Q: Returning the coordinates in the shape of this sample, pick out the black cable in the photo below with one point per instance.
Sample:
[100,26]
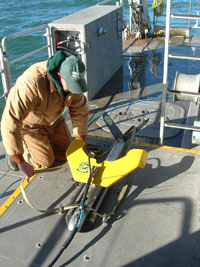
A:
[78,221]
[91,172]
[64,246]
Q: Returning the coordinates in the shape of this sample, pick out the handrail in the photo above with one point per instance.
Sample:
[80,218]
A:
[181,56]
[5,64]
[4,73]
[28,54]
[1,66]
[183,16]
[19,34]
[107,1]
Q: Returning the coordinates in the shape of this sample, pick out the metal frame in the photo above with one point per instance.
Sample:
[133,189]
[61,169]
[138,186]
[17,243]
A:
[165,71]
[4,55]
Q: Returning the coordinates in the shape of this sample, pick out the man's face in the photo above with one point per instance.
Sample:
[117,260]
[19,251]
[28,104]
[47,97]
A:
[63,83]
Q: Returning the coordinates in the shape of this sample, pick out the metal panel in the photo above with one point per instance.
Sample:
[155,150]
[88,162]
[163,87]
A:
[98,39]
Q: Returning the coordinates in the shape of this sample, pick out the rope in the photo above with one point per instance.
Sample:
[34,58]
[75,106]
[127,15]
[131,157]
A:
[55,210]
[106,217]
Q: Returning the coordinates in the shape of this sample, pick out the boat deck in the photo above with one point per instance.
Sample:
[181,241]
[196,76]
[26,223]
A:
[157,222]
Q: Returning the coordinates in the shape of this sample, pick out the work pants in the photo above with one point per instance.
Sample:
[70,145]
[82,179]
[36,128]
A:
[45,144]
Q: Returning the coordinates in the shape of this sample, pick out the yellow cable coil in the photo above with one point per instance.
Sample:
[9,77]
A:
[155,8]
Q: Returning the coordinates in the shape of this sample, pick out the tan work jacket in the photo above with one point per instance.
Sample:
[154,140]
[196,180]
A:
[34,101]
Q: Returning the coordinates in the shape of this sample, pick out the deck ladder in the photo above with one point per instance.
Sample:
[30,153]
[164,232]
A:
[167,55]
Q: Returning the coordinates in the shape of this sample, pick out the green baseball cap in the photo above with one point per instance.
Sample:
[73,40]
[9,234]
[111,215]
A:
[72,70]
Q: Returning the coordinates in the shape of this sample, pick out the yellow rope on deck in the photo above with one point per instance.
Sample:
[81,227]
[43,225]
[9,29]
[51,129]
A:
[23,185]
[55,210]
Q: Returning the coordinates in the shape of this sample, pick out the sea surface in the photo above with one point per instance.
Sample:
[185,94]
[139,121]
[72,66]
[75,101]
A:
[20,15]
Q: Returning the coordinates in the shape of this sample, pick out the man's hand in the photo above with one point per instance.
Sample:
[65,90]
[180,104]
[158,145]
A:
[80,137]
[27,169]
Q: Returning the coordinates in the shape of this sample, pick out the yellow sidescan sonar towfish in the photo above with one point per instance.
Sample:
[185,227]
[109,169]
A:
[109,172]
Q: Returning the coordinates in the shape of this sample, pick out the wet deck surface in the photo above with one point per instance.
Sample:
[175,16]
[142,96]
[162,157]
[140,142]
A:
[156,224]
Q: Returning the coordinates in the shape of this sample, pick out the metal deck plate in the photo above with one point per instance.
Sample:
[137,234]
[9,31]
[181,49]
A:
[156,224]
[132,114]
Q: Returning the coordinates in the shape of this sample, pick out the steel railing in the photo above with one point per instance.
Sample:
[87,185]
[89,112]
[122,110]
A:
[4,55]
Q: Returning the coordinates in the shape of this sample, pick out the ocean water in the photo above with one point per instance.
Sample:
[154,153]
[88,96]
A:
[20,15]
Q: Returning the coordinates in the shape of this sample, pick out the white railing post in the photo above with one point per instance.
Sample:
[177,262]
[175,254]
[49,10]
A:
[165,70]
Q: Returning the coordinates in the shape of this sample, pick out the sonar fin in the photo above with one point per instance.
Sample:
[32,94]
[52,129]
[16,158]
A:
[109,172]
[116,132]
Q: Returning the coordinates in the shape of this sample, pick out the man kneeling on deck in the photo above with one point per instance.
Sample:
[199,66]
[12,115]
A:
[33,130]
